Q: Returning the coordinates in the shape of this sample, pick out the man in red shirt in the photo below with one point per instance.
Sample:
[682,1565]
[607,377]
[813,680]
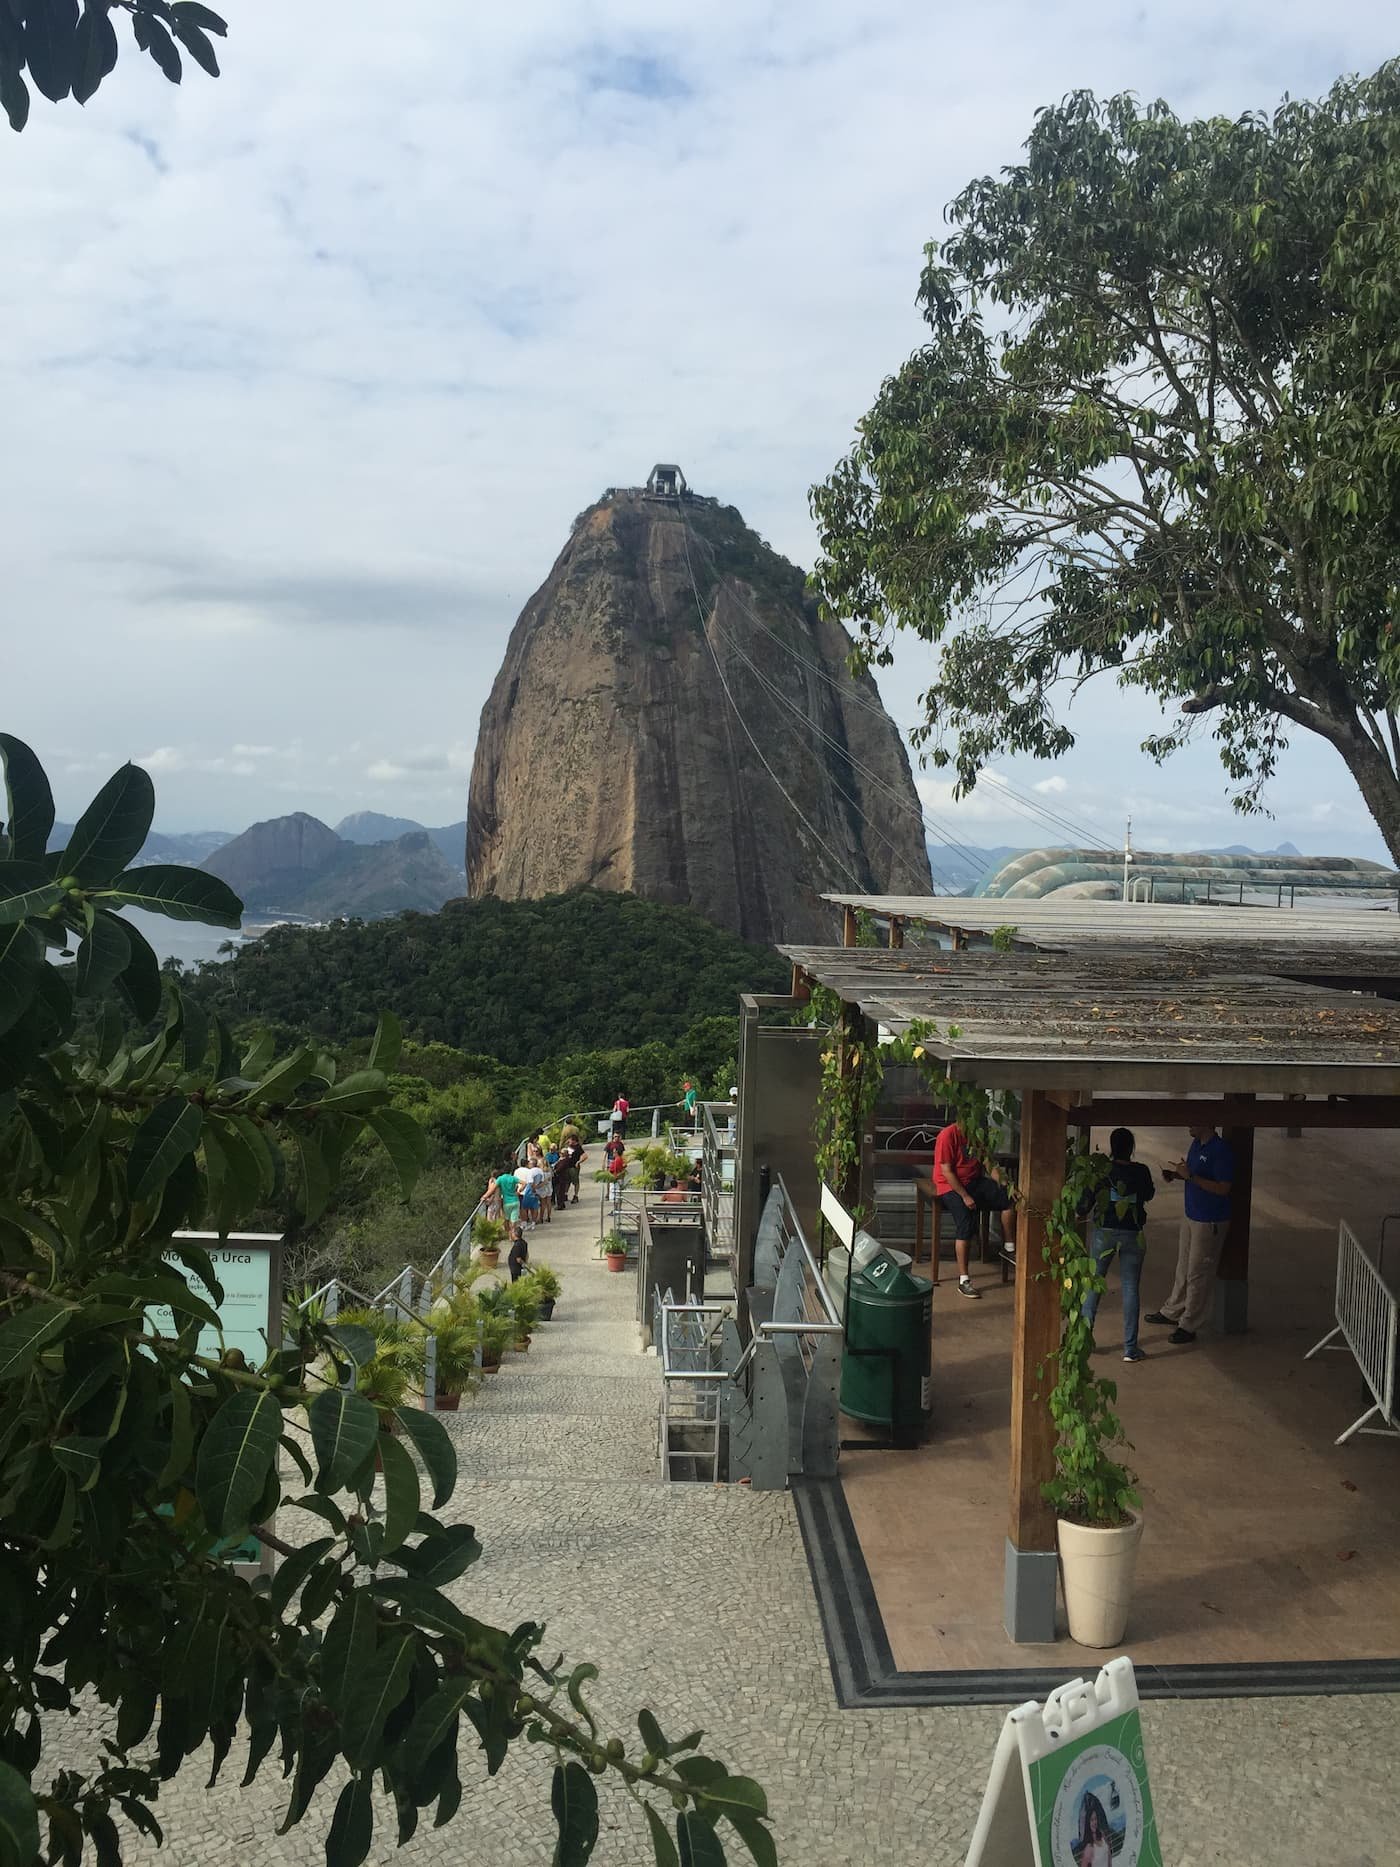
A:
[964,1188]
[619,1115]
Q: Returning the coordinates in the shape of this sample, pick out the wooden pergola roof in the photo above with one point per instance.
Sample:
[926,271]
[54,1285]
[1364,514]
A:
[1075,923]
[1166,1021]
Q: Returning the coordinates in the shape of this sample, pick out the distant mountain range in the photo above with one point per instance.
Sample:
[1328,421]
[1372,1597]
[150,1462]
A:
[369,826]
[299,866]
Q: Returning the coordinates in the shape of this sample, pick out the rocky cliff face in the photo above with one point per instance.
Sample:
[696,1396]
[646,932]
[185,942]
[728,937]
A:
[673,719]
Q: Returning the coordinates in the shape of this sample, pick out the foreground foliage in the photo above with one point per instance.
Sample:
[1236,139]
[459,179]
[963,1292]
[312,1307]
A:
[64,53]
[135,1450]
[1154,431]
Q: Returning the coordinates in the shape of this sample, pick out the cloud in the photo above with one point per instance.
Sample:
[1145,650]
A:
[1052,787]
[461,279]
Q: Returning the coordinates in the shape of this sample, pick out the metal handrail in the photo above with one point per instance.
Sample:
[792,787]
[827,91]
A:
[767,1329]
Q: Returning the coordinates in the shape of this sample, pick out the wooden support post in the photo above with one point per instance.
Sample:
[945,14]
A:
[850,931]
[896,933]
[1232,1277]
[1293,1134]
[1030,1542]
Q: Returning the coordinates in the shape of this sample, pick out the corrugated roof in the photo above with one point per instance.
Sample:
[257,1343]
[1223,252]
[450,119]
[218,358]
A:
[1127,1020]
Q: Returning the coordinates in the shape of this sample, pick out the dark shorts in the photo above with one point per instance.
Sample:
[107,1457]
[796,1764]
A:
[989,1195]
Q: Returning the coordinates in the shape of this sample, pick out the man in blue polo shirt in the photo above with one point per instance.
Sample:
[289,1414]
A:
[1208,1172]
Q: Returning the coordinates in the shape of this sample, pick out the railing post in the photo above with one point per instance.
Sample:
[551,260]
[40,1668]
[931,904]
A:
[656,1121]
[430,1374]
[332,1301]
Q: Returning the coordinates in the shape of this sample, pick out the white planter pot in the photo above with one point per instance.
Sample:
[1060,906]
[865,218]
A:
[1096,1570]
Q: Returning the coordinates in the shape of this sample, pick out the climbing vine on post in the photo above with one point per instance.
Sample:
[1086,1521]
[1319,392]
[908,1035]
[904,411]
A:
[852,1068]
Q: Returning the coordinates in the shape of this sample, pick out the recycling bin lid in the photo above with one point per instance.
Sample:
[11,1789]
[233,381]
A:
[884,1275]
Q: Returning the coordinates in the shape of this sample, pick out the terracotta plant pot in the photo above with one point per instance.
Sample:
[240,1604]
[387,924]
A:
[522,1343]
[448,1403]
[546,1309]
[489,1256]
[488,1365]
[1096,1571]
[617,1260]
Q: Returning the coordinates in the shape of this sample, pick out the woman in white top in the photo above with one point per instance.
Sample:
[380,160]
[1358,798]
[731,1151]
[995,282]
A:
[1095,1848]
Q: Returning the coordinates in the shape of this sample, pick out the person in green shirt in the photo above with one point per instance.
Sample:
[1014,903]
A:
[689,1101]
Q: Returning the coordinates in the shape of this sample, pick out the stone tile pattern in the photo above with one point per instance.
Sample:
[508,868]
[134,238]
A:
[696,1601]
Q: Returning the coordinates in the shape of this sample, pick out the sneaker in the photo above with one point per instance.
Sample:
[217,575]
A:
[1182,1335]
[1009,1253]
[966,1288]
[1133,1354]
[1159,1321]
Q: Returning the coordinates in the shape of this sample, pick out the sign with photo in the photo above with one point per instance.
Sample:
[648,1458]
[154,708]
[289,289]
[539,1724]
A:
[1069,1784]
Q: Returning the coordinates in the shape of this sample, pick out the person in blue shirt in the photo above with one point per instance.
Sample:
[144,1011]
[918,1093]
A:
[1208,1172]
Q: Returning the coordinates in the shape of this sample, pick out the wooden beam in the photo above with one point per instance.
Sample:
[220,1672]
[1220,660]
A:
[896,931]
[1036,1340]
[1233,1271]
[1241,1111]
[801,992]
[849,928]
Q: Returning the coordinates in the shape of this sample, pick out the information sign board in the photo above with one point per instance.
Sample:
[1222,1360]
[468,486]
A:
[249,1267]
[1068,1785]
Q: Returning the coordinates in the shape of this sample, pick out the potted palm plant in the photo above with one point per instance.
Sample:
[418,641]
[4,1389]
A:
[546,1281]
[486,1236]
[1097,1505]
[455,1343]
[524,1299]
[613,1246]
[489,1308]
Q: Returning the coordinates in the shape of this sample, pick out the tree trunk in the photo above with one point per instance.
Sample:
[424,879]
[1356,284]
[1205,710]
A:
[1377,783]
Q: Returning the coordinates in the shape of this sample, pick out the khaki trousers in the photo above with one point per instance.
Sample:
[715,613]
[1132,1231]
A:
[1197,1254]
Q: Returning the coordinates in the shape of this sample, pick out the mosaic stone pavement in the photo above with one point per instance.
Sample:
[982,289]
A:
[696,1602]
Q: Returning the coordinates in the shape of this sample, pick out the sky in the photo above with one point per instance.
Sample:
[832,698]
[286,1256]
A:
[309,368]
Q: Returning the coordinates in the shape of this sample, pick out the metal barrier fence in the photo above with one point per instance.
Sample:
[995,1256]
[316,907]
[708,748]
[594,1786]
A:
[1368,1320]
[717,1123]
[693,1382]
[788,1376]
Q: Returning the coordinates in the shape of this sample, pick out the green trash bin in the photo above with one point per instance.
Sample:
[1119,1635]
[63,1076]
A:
[886,1365]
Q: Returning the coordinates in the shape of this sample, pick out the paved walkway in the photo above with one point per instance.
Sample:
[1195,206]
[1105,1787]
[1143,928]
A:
[696,1601]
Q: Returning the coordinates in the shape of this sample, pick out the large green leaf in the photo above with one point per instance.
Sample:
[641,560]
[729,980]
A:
[140,983]
[352,1825]
[201,16]
[388,1041]
[662,1846]
[433,1722]
[95,52]
[164,1288]
[400,1492]
[374,1693]
[50,45]
[699,1844]
[426,1606]
[80,1454]
[24,1335]
[574,1801]
[170,1132]
[293,1570]
[26,889]
[235,1456]
[362,1089]
[315,1177]
[404,1141]
[283,1079]
[433,1444]
[755,1837]
[28,800]
[179,893]
[112,829]
[14,95]
[19,1820]
[344,1429]
[104,953]
[348,1649]
[440,1558]
[725,1794]
[21,954]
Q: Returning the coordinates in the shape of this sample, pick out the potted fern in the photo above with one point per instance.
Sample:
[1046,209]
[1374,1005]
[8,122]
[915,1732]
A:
[524,1299]
[613,1246]
[486,1236]
[1096,1502]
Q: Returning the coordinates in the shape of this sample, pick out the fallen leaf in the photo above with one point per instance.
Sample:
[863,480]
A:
[1347,1485]
[1345,1555]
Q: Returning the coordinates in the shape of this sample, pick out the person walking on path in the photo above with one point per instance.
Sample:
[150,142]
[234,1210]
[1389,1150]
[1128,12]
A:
[508,1186]
[1118,1213]
[964,1189]
[689,1102]
[492,1202]
[1208,1172]
[619,1114]
[571,1157]
[519,1260]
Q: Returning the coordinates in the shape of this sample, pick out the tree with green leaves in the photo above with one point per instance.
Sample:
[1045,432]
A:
[131,1457]
[67,52]
[1154,432]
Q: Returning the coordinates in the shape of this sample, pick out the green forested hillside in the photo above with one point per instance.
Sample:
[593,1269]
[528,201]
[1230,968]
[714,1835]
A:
[517,980]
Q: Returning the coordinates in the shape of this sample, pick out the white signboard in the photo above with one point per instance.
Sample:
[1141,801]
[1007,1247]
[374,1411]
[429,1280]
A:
[1068,1786]
[247,1265]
